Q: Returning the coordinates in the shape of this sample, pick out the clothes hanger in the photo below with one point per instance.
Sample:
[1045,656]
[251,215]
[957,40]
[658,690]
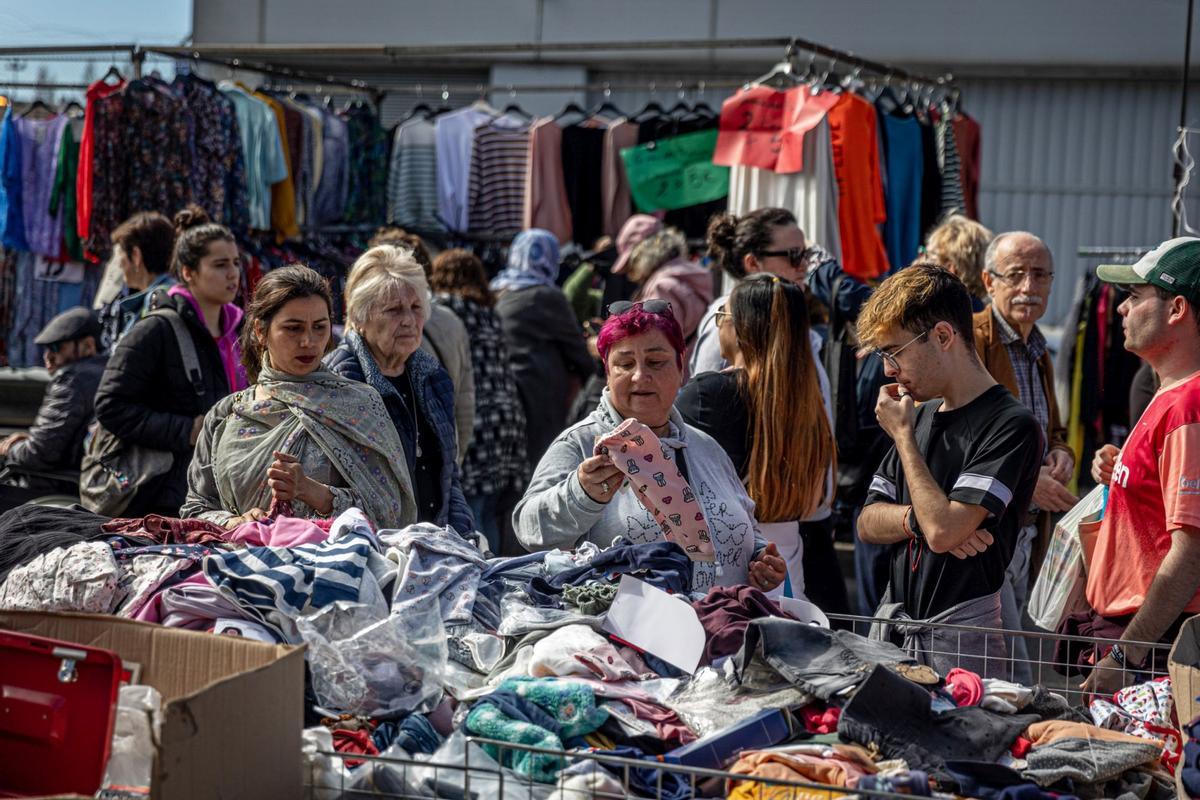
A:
[73,106]
[571,108]
[38,105]
[514,108]
[819,85]
[113,72]
[606,106]
[783,72]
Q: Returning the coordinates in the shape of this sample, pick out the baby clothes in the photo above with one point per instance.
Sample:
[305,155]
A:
[662,489]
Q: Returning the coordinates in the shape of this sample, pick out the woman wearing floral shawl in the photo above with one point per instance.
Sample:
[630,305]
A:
[300,441]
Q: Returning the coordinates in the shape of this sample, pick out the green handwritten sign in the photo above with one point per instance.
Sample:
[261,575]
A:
[676,172]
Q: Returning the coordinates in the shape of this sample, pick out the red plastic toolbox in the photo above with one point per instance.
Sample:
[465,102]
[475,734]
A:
[58,702]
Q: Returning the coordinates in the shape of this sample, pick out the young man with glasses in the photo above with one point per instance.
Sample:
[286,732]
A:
[1018,275]
[954,490]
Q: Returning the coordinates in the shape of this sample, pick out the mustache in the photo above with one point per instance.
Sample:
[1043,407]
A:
[1029,299]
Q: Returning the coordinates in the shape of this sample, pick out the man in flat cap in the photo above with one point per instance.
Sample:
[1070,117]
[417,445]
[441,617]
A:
[55,442]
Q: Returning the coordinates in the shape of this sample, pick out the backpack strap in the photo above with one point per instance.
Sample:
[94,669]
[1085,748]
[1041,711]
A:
[187,348]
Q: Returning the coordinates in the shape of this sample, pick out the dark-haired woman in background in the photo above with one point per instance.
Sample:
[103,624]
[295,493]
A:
[770,412]
[766,240]
[495,464]
[146,396]
[301,441]
[143,246]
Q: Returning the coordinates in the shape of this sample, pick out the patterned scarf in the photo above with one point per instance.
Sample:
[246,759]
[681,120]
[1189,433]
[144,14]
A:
[346,420]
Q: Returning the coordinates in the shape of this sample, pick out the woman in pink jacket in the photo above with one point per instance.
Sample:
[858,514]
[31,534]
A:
[659,263]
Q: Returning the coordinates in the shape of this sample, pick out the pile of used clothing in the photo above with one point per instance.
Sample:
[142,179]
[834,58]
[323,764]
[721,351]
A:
[419,647]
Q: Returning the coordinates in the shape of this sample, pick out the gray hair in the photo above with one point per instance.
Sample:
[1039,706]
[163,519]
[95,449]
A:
[993,250]
[376,275]
[655,251]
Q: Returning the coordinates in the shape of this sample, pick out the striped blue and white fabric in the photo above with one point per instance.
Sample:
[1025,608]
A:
[275,585]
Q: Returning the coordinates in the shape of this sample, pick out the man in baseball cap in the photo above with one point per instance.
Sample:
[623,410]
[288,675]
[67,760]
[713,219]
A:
[1145,572]
[55,442]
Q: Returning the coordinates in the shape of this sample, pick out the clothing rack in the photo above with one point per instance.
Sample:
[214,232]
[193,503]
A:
[246,57]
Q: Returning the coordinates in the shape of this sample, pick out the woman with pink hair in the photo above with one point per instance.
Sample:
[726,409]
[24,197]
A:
[635,470]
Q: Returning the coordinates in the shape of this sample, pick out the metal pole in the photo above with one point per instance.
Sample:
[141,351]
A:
[1177,211]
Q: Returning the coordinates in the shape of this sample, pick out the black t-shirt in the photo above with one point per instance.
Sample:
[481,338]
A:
[986,453]
[423,454]
[711,402]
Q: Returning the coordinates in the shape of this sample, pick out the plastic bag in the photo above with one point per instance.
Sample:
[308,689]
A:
[518,617]
[135,737]
[708,703]
[1061,584]
[374,665]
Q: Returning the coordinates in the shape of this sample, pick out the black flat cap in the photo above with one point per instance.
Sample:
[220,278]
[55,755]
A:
[75,323]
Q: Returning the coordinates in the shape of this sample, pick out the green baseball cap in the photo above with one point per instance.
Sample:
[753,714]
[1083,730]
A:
[1173,266]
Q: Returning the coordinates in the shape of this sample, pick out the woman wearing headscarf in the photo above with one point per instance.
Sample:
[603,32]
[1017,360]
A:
[300,440]
[545,343]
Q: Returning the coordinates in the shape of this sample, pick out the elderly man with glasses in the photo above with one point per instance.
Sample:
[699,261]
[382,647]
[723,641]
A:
[1018,275]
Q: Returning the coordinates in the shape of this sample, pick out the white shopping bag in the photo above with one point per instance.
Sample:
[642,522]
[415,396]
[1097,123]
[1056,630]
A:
[1062,582]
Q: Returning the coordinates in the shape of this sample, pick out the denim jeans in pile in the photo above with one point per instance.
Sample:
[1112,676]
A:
[819,661]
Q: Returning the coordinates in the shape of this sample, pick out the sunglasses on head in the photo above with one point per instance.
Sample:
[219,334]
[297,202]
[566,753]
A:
[651,306]
[795,255]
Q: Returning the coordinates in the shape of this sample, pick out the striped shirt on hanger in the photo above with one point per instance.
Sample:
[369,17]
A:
[499,166]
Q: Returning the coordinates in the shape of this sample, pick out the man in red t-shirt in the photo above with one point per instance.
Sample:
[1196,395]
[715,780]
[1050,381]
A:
[1145,573]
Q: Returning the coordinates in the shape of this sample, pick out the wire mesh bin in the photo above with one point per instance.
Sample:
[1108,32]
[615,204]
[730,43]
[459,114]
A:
[589,776]
[470,771]
[1049,655]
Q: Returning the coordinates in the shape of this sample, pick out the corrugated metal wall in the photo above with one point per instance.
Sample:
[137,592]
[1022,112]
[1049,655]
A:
[1079,163]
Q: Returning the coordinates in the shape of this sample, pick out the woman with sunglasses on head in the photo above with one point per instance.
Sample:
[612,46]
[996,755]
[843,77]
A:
[545,344]
[594,485]
[770,412]
[765,240]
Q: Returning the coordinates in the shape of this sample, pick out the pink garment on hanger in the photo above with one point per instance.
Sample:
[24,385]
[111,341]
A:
[802,112]
[661,487]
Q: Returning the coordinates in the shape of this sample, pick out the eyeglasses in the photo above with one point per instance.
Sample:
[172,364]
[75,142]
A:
[795,255]
[890,358]
[661,307]
[721,312]
[1017,277]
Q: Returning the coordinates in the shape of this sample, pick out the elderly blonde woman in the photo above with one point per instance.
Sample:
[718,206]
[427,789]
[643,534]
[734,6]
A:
[387,303]
[300,441]
[958,244]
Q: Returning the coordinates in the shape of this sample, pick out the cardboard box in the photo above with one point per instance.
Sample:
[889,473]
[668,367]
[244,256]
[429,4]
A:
[1184,666]
[233,709]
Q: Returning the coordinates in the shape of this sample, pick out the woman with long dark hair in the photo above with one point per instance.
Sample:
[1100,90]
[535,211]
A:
[770,412]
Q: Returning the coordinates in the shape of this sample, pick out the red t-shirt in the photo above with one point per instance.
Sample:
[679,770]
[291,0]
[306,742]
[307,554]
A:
[1155,490]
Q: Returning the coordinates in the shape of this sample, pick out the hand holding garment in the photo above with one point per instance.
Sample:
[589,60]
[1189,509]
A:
[661,487]
[338,430]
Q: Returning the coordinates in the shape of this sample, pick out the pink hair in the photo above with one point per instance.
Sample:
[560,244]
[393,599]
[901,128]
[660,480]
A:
[620,327]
